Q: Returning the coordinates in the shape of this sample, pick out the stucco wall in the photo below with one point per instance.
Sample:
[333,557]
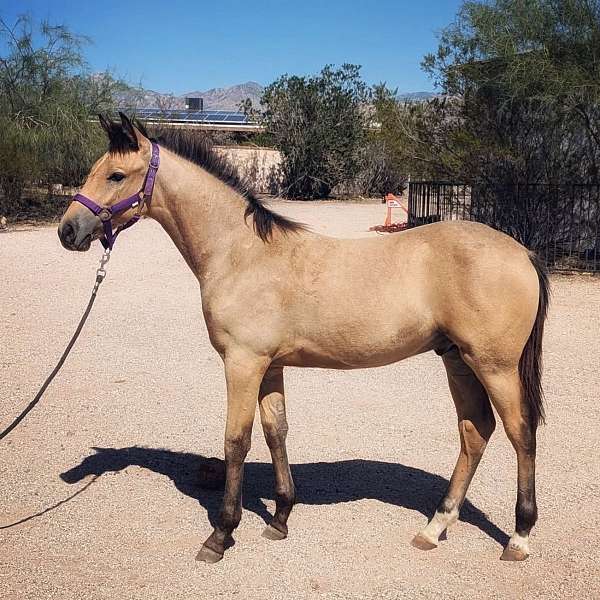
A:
[256,164]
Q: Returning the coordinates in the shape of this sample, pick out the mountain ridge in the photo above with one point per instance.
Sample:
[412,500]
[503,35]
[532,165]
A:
[219,98]
[229,98]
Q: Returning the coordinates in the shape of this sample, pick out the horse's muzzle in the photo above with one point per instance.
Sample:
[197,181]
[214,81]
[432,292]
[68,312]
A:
[77,233]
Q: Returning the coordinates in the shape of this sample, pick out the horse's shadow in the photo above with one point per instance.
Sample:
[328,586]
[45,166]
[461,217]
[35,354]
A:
[316,483]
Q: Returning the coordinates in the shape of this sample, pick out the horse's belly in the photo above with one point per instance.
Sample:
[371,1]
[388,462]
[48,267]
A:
[357,349]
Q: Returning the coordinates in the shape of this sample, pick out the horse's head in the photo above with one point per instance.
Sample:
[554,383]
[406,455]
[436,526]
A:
[118,174]
[104,460]
[188,469]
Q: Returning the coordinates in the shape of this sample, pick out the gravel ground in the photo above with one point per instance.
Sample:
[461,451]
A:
[141,401]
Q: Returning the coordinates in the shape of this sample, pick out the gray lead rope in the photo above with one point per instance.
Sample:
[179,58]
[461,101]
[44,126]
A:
[53,507]
[100,275]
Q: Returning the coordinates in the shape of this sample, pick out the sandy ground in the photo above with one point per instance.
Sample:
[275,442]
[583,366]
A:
[141,401]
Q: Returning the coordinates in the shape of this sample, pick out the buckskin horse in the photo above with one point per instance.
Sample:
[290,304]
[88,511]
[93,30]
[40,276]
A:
[275,294]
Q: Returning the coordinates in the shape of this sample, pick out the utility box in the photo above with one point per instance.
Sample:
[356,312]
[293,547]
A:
[194,104]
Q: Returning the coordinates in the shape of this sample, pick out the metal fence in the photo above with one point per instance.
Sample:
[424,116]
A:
[559,222]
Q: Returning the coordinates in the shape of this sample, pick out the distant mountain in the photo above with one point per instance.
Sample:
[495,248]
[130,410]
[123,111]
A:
[140,98]
[224,98]
[416,96]
[227,98]
[230,98]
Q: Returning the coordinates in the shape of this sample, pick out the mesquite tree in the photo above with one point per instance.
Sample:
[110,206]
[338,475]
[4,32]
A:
[320,125]
[46,100]
[520,85]
[525,79]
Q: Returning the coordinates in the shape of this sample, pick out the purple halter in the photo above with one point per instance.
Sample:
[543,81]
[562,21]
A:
[106,213]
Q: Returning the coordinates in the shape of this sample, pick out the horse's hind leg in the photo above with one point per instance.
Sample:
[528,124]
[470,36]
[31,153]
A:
[506,393]
[272,414]
[476,424]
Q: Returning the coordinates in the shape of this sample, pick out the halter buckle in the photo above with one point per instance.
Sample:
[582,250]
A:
[105,215]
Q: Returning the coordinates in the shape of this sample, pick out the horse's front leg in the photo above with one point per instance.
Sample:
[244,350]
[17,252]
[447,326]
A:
[243,375]
[272,415]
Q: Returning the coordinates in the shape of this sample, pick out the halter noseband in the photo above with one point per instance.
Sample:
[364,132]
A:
[106,213]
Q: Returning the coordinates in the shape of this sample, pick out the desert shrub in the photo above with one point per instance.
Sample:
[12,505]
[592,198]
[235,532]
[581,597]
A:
[48,103]
[319,125]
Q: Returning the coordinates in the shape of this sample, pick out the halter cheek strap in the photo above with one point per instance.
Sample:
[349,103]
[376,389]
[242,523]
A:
[107,213]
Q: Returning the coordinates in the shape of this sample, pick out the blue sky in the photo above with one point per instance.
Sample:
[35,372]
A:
[183,45]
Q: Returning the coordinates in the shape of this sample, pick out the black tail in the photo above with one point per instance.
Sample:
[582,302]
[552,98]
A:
[530,365]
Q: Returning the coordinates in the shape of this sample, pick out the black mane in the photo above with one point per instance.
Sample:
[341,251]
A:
[197,148]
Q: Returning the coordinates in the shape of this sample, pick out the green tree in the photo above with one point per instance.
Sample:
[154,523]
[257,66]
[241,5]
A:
[319,125]
[531,48]
[46,100]
[423,139]
[523,80]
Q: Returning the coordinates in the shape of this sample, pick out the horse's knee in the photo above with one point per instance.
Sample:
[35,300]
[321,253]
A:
[237,447]
[274,421]
[522,437]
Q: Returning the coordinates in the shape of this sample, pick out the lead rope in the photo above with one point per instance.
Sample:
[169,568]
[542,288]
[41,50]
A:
[100,275]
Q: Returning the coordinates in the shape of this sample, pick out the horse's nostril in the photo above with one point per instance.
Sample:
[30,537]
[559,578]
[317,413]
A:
[67,234]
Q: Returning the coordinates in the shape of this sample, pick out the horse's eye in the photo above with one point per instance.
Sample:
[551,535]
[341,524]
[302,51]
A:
[116,177]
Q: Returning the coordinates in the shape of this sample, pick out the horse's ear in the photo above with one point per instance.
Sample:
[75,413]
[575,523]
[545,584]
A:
[105,124]
[129,131]
[121,136]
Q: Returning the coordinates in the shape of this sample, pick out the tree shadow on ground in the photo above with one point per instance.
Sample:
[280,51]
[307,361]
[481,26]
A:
[316,483]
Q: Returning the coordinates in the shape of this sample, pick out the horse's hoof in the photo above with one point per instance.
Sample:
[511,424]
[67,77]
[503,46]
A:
[422,543]
[208,555]
[513,554]
[272,533]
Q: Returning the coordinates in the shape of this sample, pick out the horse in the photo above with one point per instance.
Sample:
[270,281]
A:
[275,294]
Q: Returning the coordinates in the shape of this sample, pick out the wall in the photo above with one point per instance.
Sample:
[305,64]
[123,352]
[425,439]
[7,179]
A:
[255,164]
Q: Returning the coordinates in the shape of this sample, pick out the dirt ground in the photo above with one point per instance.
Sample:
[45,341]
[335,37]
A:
[140,402]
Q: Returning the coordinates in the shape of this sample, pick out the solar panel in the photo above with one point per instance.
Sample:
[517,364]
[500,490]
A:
[193,116]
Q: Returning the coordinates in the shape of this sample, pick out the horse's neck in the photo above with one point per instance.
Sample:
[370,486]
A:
[203,216]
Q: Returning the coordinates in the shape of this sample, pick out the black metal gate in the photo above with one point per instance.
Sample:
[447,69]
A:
[559,222]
